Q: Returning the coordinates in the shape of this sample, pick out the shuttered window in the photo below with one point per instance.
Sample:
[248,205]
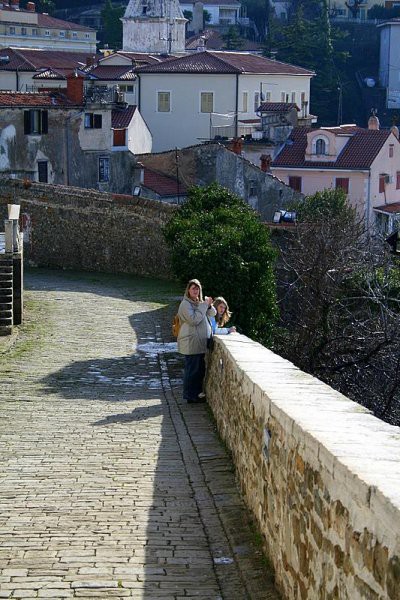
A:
[343,184]
[93,121]
[164,102]
[104,168]
[295,183]
[207,102]
[35,122]
[119,137]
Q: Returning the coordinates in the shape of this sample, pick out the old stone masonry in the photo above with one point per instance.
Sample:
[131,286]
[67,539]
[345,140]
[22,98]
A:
[110,486]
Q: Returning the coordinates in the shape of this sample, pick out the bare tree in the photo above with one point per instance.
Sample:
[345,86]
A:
[339,300]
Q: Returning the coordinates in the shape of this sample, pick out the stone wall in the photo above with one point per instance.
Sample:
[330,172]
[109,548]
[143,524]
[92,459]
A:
[208,163]
[319,472]
[74,228]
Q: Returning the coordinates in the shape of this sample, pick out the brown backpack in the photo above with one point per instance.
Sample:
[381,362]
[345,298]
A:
[176,325]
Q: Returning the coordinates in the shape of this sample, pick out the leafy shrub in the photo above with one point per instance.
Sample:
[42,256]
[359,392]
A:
[219,239]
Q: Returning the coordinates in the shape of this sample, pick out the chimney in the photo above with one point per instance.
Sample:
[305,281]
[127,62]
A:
[30,7]
[90,61]
[15,4]
[237,146]
[395,130]
[373,121]
[75,88]
[201,45]
[265,163]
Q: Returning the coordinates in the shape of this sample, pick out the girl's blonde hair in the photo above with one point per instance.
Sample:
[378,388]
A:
[222,319]
[194,282]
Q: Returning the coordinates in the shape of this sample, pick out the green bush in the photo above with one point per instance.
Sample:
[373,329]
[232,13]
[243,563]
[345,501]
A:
[219,239]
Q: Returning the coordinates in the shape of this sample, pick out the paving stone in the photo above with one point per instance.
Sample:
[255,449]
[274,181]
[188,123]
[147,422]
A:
[111,487]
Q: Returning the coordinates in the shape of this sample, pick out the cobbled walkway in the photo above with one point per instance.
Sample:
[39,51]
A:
[110,486]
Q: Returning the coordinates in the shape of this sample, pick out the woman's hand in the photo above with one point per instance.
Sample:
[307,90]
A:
[232,329]
[209,300]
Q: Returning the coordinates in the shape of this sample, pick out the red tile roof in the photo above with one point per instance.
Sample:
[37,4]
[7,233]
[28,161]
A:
[140,58]
[359,152]
[111,72]
[121,117]
[31,60]
[278,107]
[37,99]
[162,184]
[224,62]
[51,22]
[389,208]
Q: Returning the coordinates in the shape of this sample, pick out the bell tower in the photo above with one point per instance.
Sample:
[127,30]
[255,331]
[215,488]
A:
[154,26]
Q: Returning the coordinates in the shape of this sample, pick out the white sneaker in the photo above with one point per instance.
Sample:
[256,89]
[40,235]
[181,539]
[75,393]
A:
[201,395]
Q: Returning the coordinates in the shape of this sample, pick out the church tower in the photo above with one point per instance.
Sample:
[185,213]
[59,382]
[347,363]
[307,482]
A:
[154,26]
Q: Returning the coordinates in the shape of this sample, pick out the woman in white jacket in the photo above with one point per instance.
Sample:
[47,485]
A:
[194,333]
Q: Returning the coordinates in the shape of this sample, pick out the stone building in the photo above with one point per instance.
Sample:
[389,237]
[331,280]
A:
[154,26]
[71,139]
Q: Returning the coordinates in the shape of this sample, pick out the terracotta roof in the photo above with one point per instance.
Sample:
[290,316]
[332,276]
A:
[389,208]
[121,117]
[141,58]
[278,107]
[224,62]
[359,152]
[31,60]
[162,184]
[111,72]
[29,99]
[51,22]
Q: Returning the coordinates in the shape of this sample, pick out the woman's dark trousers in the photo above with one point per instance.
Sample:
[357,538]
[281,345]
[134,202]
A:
[193,376]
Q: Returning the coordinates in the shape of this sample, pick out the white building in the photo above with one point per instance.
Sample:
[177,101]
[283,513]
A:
[154,26]
[209,95]
[389,61]
[25,28]
[222,12]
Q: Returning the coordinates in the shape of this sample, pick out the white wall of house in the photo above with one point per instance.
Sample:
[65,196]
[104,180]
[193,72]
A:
[139,137]
[184,124]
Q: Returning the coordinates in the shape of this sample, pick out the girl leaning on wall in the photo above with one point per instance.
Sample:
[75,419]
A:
[193,339]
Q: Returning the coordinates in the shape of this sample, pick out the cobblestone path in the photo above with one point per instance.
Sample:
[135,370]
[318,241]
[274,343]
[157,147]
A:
[110,486]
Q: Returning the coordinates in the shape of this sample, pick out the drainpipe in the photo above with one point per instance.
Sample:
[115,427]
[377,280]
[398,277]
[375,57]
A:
[138,92]
[237,105]
[368,201]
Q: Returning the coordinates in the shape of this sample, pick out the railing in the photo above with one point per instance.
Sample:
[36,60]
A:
[103,95]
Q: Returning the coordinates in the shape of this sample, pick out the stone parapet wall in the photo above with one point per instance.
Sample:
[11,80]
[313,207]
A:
[76,228]
[319,472]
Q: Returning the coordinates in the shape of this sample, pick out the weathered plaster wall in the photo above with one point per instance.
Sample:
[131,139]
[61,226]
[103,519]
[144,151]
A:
[74,228]
[208,163]
[319,472]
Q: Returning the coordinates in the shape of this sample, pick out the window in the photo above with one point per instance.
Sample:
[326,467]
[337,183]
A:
[93,121]
[74,34]
[398,180]
[245,98]
[34,32]
[126,88]
[119,137]
[382,180]
[61,33]
[35,122]
[295,183]
[144,7]
[206,102]
[391,150]
[293,97]
[320,147]
[87,36]
[104,168]
[343,184]
[267,96]
[12,30]
[283,94]
[23,31]
[164,101]
[47,33]
[43,171]
[256,101]
[303,97]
